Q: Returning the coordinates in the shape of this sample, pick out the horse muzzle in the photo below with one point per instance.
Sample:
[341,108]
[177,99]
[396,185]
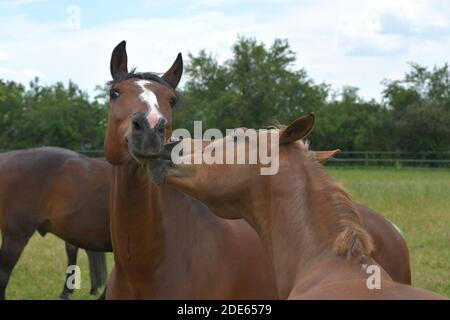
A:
[145,142]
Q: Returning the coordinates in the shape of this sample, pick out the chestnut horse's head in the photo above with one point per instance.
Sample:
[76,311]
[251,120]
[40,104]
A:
[220,184]
[140,113]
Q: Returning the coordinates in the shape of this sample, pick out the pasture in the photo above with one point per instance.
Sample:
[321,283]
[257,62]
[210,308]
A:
[416,200]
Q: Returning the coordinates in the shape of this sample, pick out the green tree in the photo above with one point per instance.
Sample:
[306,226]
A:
[420,109]
[351,123]
[56,115]
[11,101]
[255,88]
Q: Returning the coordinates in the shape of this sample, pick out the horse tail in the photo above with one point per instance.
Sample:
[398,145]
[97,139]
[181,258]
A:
[97,270]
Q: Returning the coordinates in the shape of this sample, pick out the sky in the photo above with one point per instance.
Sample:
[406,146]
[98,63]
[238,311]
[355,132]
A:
[339,42]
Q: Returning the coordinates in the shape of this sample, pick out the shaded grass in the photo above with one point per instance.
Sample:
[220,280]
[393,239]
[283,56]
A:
[415,200]
[40,272]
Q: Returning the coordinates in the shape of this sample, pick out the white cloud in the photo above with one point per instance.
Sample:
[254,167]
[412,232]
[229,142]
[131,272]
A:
[3,56]
[338,42]
[32,73]
[17,3]
[419,13]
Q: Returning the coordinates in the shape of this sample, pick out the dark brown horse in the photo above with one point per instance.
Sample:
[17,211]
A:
[309,225]
[139,123]
[58,191]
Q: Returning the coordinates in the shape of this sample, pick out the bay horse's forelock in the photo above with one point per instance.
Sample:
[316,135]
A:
[139,75]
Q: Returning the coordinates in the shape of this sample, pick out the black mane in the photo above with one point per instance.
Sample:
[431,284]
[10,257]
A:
[144,76]
[140,75]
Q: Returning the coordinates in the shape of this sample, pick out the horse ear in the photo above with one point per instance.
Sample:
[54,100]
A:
[298,129]
[119,60]
[173,75]
[324,156]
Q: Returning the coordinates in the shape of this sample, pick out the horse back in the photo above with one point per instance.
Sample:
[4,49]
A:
[391,250]
[53,188]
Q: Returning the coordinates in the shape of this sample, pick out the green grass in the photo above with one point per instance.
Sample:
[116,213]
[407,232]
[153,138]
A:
[417,200]
[40,273]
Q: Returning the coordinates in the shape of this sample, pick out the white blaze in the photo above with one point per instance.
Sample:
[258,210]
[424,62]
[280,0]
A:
[149,98]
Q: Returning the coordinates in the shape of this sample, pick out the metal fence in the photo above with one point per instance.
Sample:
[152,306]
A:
[362,158]
[392,159]
[369,158]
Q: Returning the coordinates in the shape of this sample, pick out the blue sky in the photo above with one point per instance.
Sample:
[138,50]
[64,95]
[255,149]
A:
[340,42]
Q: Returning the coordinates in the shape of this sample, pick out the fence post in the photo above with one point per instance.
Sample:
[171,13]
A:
[366,158]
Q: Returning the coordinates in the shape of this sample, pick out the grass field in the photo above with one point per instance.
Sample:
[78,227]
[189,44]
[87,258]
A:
[417,200]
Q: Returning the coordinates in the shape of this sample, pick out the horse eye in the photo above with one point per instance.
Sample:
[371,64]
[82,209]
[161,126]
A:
[114,94]
[173,101]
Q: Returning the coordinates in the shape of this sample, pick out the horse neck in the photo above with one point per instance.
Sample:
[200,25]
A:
[136,217]
[298,226]
[151,221]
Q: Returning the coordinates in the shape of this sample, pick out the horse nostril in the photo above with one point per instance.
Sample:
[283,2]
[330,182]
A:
[161,126]
[136,126]
[125,139]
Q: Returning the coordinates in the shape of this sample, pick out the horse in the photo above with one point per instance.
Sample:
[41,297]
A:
[308,224]
[166,244]
[58,191]
[139,122]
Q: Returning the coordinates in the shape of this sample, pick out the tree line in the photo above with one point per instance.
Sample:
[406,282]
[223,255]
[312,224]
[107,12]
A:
[257,87]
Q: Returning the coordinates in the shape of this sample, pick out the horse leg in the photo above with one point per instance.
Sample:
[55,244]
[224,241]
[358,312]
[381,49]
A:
[103,295]
[10,251]
[71,252]
[97,270]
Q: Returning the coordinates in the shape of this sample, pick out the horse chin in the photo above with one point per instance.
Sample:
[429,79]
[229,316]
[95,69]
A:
[143,158]
[162,166]
[158,169]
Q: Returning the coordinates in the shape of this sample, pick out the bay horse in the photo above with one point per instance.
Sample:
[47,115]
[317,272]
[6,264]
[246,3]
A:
[308,224]
[141,113]
[58,191]
[166,244]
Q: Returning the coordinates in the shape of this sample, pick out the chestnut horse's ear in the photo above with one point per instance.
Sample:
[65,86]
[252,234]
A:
[119,63]
[173,75]
[298,129]
[324,156]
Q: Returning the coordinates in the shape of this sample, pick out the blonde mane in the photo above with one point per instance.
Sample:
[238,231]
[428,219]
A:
[352,241]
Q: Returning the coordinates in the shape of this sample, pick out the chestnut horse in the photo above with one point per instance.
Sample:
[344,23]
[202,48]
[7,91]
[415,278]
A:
[141,112]
[308,224]
[166,244]
[58,191]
